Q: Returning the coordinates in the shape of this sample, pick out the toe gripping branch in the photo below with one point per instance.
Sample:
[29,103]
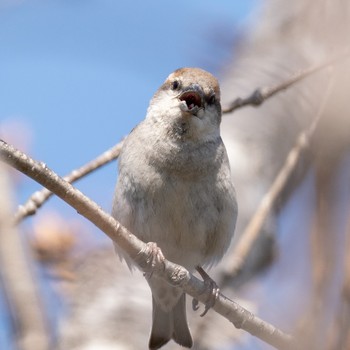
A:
[214,293]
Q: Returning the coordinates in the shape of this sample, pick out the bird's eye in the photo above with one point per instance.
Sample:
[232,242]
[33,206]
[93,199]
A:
[175,85]
[212,100]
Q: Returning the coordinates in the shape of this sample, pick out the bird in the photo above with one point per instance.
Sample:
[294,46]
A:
[174,188]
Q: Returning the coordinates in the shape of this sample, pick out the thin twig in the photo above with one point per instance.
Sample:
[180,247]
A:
[38,198]
[140,252]
[251,232]
[260,95]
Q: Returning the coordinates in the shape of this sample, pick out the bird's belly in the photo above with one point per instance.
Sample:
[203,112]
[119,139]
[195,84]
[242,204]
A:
[187,223]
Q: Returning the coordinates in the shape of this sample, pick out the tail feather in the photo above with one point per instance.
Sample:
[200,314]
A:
[161,327]
[170,325]
[181,333]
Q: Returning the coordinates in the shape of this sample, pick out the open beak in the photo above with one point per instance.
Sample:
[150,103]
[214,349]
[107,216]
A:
[192,98]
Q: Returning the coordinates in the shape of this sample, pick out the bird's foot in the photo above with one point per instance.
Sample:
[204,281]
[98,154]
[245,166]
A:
[155,257]
[214,294]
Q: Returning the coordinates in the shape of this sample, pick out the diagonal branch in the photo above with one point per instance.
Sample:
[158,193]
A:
[260,95]
[139,251]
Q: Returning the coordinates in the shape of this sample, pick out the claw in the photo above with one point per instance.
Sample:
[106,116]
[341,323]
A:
[213,295]
[195,303]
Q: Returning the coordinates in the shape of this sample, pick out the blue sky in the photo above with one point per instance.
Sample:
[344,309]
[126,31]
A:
[80,74]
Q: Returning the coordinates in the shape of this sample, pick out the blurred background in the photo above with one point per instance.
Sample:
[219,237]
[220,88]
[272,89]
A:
[77,76]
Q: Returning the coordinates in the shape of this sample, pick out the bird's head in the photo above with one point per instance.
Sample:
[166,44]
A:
[188,103]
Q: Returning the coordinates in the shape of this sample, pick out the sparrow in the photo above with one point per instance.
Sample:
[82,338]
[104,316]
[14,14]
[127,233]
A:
[174,189]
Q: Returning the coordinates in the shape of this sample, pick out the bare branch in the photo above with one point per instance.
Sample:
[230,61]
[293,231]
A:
[18,278]
[260,95]
[174,274]
[254,226]
[38,198]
